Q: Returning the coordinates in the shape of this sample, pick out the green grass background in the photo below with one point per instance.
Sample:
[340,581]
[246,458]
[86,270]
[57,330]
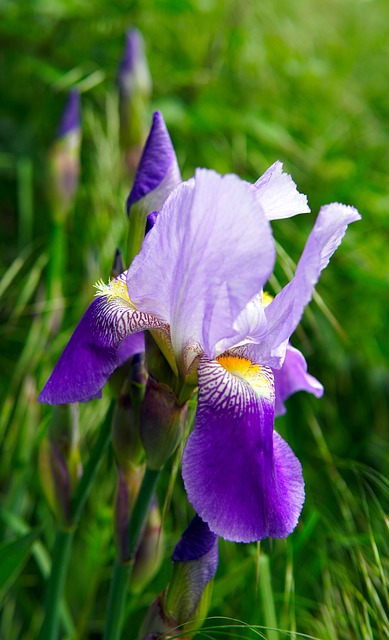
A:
[240,85]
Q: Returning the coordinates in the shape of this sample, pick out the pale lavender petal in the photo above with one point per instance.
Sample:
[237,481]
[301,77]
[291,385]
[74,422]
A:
[278,195]
[251,323]
[209,253]
[93,352]
[293,376]
[285,311]
[241,477]
[158,173]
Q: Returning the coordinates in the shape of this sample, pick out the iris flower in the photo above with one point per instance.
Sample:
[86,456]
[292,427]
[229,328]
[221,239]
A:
[197,285]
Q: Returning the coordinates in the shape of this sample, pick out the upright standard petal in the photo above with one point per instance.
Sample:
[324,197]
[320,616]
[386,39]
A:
[240,476]
[158,173]
[278,195]
[94,350]
[293,376]
[206,257]
[284,312]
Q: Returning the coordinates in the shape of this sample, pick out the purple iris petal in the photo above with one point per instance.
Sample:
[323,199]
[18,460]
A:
[158,173]
[209,253]
[134,343]
[195,542]
[151,218]
[278,195]
[71,115]
[94,350]
[292,377]
[285,311]
[240,476]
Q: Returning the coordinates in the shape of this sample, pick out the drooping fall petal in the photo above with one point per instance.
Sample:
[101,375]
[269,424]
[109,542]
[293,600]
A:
[93,351]
[241,477]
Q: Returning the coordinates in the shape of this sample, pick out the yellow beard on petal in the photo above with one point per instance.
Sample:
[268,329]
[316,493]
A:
[267,298]
[259,378]
[114,290]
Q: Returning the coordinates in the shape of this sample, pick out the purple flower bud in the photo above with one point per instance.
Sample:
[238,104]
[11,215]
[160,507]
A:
[195,542]
[129,480]
[158,173]
[135,86]
[157,176]
[186,598]
[71,116]
[196,559]
[64,159]
[134,74]
[59,461]
[150,551]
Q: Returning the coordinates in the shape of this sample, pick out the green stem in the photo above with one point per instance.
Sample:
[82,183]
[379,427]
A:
[55,586]
[57,261]
[84,486]
[116,600]
[136,231]
[141,509]
[122,571]
[64,537]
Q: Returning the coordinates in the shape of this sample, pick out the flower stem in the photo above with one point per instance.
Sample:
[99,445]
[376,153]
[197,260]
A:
[64,537]
[60,563]
[83,488]
[122,571]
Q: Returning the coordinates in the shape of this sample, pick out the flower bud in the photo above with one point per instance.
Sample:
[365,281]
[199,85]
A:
[186,599]
[135,87]
[129,481]
[150,551]
[161,423]
[64,159]
[156,177]
[59,461]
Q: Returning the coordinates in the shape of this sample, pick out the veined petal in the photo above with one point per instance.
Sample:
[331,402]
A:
[93,351]
[293,376]
[285,311]
[251,323]
[241,477]
[278,195]
[206,257]
[158,173]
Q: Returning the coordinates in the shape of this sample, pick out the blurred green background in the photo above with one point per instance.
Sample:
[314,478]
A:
[240,85]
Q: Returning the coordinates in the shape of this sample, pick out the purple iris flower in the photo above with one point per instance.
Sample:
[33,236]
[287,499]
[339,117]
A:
[197,285]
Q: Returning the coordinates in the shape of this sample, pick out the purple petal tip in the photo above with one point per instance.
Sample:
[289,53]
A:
[156,162]
[195,542]
[71,115]
[132,50]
